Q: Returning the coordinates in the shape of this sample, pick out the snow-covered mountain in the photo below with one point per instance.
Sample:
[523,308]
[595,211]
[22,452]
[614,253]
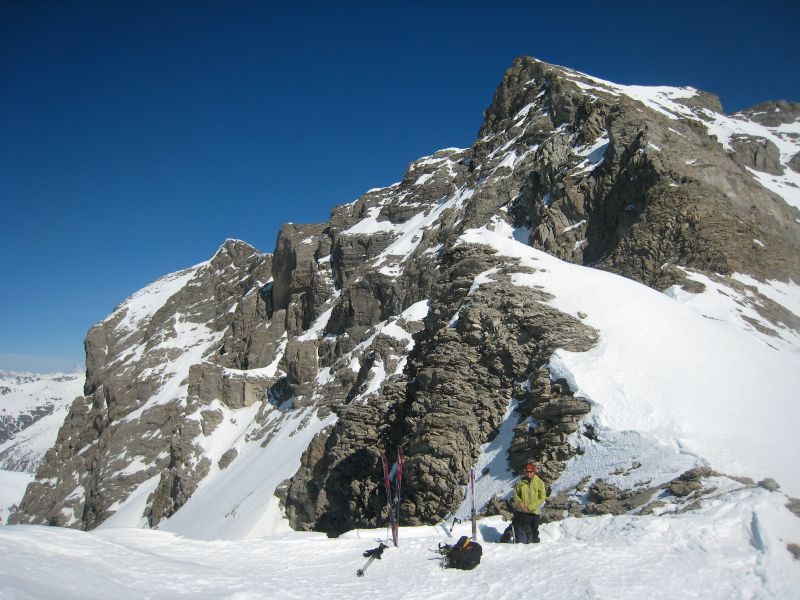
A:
[605,283]
[32,409]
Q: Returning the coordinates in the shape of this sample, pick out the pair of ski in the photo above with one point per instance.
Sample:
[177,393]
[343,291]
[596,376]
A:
[393,507]
[392,504]
[393,500]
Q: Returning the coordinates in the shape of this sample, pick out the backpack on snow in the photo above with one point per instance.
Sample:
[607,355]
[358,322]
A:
[464,554]
[508,535]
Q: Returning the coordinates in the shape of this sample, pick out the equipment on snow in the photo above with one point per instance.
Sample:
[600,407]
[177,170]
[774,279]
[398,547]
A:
[393,499]
[508,536]
[464,554]
[389,497]
[453,524]
[397,483]
[472,514]
[372,555]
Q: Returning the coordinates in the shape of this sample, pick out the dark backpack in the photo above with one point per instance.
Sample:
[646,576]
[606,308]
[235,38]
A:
[508,535]
[464,554]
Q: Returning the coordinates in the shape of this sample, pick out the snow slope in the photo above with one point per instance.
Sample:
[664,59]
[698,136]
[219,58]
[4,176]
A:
[239,502]
[12,488]
[706,387]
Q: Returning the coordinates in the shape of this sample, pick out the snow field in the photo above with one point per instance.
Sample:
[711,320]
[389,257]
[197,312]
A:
[12,488]
[724,550]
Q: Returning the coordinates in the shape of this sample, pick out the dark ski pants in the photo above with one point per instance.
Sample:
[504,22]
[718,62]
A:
[526,527]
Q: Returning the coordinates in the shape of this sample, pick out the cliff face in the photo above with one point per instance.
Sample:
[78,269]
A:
[389,325]
[640,180]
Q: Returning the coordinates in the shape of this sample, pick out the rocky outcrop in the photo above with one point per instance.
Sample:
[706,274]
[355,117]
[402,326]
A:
[773,113]
[757,153]
[551,415]
[477,351]
[603,498]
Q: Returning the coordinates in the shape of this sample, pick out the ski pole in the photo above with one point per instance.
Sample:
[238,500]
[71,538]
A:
[472,488]
[389,507]
[453,524]
[372,554]
[397,488]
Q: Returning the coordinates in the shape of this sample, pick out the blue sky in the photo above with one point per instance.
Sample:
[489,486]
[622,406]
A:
[135,137]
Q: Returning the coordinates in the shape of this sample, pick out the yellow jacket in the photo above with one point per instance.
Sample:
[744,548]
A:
[530,494]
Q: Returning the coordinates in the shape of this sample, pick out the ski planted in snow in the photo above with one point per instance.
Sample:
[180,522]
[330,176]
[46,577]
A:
[389,506]
[472,513]
[398,480]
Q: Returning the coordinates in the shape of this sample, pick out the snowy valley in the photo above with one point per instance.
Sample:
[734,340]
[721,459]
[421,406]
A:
[32,408]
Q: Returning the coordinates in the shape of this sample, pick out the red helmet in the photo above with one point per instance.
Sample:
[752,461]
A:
[530,467]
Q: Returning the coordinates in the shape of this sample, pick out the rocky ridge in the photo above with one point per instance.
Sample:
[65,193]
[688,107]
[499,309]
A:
[387,319]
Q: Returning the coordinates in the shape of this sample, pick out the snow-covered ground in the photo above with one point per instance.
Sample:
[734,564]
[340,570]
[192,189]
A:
[734,547]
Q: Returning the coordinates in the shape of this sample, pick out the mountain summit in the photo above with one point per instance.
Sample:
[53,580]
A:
[604,284]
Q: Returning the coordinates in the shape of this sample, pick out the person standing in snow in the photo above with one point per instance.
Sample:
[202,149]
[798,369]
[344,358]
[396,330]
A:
[529,495]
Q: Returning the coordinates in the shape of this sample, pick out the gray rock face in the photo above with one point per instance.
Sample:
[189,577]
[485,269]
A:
[757,153]
[386,318]
[450,400]
[615,186]
[794,164]
[773,114]
[134,411]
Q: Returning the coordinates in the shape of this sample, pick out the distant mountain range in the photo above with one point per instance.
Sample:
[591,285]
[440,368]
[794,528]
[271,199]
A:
[32,409]
[604,283]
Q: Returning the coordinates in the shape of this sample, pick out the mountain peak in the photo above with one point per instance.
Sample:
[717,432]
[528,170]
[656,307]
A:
[232,246]
[562,92]
[773,113]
